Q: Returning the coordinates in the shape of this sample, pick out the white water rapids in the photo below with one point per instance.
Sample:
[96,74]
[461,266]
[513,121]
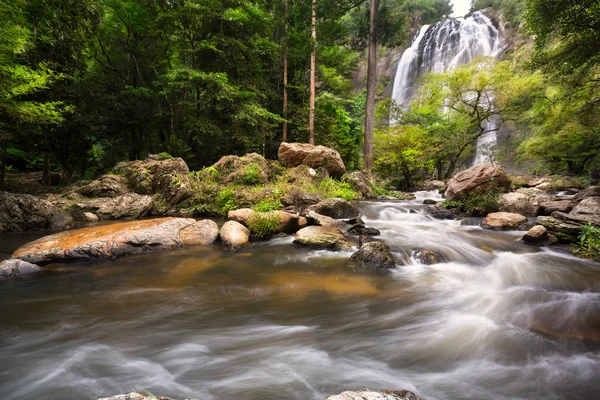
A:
[498,320]
[442,47]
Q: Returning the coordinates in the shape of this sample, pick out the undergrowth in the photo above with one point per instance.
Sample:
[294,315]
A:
[589,243]
[264,224]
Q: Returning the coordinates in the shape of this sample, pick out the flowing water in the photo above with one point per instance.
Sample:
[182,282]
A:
[500,320]
[442,47]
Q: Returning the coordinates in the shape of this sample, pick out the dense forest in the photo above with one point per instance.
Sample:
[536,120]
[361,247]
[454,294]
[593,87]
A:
[85,84]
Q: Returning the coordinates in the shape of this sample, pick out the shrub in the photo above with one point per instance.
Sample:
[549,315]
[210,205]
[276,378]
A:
[164,156]
[482,203]
[333,188]
[379,190]
[268,205]
[589,242]
[264,224]
[453,204]
[226,201]
[250,176]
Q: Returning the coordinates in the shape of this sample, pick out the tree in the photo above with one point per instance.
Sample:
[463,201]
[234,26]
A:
[313,68]
[19,81]
[371,86]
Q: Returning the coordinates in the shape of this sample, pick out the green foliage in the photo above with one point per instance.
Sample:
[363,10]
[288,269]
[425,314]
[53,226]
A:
[268,205]
[449,204]
[589,242]
[379,190]
[164,156]
[263,224]
[333,188]
[250,176]
[225,201]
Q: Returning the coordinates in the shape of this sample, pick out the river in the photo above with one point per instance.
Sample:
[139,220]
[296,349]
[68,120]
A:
[501,320]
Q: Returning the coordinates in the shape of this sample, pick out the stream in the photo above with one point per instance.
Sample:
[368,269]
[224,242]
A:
[500,320]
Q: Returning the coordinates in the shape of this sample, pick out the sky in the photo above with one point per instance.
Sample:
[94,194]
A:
[461,7]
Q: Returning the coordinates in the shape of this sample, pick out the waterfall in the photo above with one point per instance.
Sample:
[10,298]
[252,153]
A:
[442,47]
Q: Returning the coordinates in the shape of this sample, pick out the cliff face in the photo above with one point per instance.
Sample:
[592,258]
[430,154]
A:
[387,63]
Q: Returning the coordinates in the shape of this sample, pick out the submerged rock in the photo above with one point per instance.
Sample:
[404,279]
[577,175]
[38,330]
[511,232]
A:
[23,212]
[12,268]
[442,214]
[361,229]
[429,257]
[295,154]
[317,219]
[503,221]
[478,179]
[367,394]
[326,237]
[429,202]
[134,396]
[374,255]
[539,235]
[234,235]
[336,208]
[116,240]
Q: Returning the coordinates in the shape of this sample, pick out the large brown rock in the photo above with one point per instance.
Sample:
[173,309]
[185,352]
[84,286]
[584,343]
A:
[521,203]
[374,255]
[503,221]
[23,212]
[115,240]
[539,235]
[325,237]
[335,208]
[125,206]
[478,179]
[588,206]
[295,154]
[566,231]
[299,198]
[234,235]
[168,178]
[251,169]
[105,186]
[548,207]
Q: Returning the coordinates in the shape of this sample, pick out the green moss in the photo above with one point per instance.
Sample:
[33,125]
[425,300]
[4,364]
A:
[226,201]
[250,176]
[263,224]
[164,156]
[268,205]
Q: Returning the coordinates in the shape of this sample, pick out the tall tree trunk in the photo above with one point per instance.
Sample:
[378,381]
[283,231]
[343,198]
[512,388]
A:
[371,87]
[313,66]
[285,70]
[3,146]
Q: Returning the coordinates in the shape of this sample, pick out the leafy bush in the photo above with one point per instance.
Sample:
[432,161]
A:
[482,203]
[379,190]
[333,188]
[589,242]
[453,204]
[263,224]
[164,156]
[268,205]
[226,201]
[251,175]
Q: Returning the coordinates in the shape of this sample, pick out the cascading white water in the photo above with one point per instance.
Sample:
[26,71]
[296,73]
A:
[442,47]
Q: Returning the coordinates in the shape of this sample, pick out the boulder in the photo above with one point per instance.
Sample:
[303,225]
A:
[105,186]
[89,217]
[564,231]
[23,212]
[548,207]
[335,208]
[442,214]
[362,239]
[251,169]
[12,268]
[539,235]
[115,240]
[374,255]
[326,237]
[431,185]
[520,203]
[361,229]
[354,221]
[234,235]
[429,257]
[503,221]
[589,192]
[125,206]
[169,178]
[367,394]
[537,194]
[360,183]
[593,219]
[429,202]
[241,215]
[295,154]
[317,219]
[588,206]
[478,179]
[299,198]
